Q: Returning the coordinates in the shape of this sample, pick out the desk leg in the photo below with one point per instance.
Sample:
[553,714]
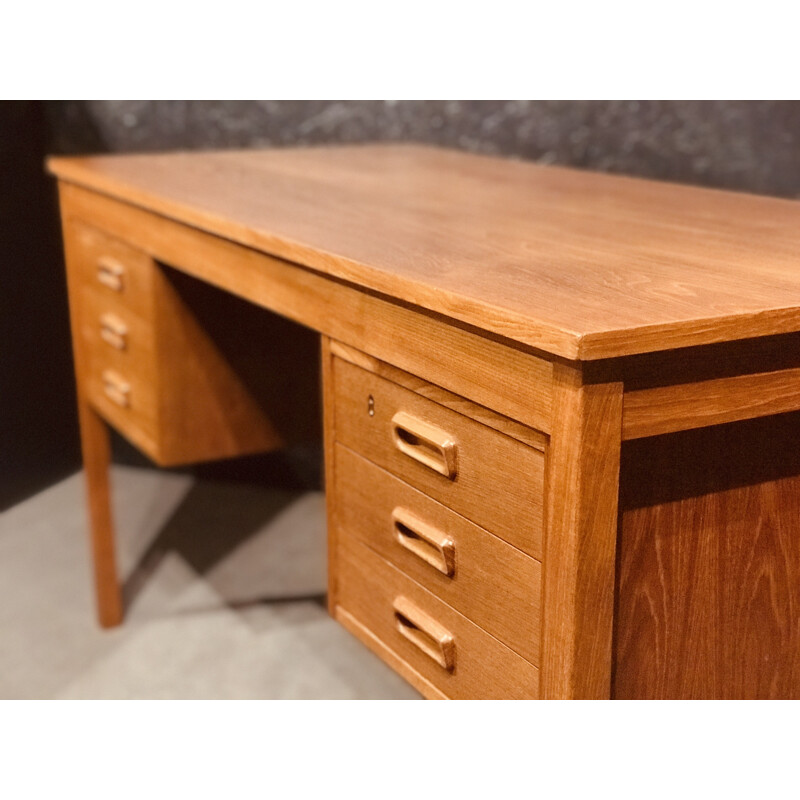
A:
[96,447]
[580,545]
[329,445]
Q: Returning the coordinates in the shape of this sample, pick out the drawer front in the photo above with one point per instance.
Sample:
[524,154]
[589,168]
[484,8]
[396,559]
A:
[125,399]
[441,645]
[488,477]
[111,328]
[121,366]
[490,582]
[119,272]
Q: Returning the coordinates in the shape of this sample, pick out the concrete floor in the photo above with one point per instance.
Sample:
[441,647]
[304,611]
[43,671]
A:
[224,586]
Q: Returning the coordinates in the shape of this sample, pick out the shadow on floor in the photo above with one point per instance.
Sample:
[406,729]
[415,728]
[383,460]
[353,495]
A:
[251,544]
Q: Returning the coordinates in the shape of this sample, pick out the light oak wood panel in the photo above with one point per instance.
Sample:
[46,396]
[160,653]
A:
[709,564]
[499,482]
[137,344]
[581,265]
[329,446]
[96,452]
[441,396]
[136,417]
[360,631]
[491,583]
[232,379]
[582,490]
[520,387]
[649,412]
[483,667]
[100,257]
[135,365]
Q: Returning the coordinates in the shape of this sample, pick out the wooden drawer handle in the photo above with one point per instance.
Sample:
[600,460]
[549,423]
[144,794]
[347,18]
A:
[425,443]
[114,331]
[110,273]
[425,633]
[116,388]
[426,542]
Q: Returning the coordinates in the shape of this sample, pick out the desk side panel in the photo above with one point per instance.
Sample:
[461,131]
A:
[708,570]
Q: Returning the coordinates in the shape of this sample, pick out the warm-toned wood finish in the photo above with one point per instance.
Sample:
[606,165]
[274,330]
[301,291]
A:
[231,391]
[541,379]
[492,583]
[379,647]
[480,488]
[96,448]
[483,667]
[96,451]
[649,412]
[577,264]
[709,564]
[521,382]
[120,274]
[329,441]
[496,336]
[583,475]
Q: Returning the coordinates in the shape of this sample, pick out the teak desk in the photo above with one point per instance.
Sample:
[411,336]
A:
[561,409]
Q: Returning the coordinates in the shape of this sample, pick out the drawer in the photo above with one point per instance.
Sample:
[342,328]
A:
[121,367]
[115,269]
[435,641]
[488,477]
[490,582]
[125,398]
[110,327]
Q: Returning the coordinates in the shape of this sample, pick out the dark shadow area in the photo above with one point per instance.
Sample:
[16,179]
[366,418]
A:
[676,466]
[251,545]
[38,416]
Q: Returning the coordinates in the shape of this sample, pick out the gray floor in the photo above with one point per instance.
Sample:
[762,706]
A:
[225,590]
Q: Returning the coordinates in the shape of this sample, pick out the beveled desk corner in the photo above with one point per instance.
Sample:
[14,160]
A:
[559,407]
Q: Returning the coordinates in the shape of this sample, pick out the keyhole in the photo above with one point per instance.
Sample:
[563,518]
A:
[371,406]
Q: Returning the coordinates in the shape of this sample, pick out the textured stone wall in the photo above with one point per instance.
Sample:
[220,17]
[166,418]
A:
[754,146]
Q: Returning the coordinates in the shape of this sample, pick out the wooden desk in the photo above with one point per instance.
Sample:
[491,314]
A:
[560,408]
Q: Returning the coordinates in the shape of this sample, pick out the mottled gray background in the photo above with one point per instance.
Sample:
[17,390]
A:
[752,146]
[734,144]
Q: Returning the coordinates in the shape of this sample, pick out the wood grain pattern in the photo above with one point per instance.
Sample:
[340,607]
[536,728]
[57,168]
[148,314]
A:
[486,416]
[581,502]
[96,452]
[232,379]
[708,599]
[465,284]
[577,264]
[136,363]
[520,387]
[493,584]
[650,412]
[379,647]
[329,445]
[206,379]
[93,248]
[484,668]
[499,483]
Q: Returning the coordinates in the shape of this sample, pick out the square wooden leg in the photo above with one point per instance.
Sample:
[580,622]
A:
[96,447]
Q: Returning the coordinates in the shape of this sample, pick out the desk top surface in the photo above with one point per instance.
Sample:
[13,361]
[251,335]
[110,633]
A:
[578,264]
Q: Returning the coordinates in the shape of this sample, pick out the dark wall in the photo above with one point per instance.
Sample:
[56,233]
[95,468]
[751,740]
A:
[38,434]
[753,146]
